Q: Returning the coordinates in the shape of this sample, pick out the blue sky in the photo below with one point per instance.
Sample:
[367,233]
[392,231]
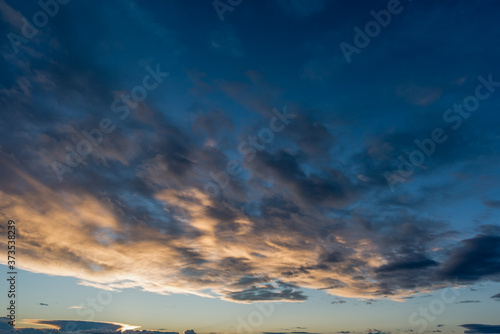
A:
[238,166]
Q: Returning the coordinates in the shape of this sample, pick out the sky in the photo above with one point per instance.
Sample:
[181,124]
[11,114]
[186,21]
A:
[238,166]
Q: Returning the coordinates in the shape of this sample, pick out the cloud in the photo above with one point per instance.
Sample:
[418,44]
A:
[77,325]
[468,301]
[492,204]
[480,329]
[496,297]
[4,324]
[338,301]
[330,188]
[100,328]
[199,236]
[12,16]
[417,262]
[269,292]
[478,257]
[376,331]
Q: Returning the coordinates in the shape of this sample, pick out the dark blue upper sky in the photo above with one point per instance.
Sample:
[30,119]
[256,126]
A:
[332,157]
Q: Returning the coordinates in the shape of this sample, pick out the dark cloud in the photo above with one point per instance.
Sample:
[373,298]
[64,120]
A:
[269,292]
[4,324]
[330,188]
[71,326]
[250,280]
[478,257]
[312,137]
[417,262]
[496,297]
[376,331]
[480,329]
[212,123]
[492,204]
[338,301]
[468,302]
